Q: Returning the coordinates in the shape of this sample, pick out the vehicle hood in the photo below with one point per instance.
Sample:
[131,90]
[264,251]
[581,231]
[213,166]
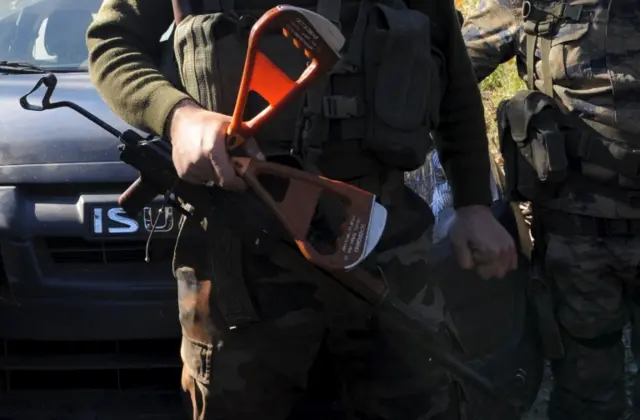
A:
[56,139]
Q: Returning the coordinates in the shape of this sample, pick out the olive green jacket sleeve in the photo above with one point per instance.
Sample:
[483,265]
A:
[461,139]
[124,51]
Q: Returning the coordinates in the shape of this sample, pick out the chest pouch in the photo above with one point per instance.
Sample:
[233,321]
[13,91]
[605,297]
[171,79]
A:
[532,144]
[376,106]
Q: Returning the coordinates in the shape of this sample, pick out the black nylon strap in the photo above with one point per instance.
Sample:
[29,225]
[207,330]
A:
[316,129]
[603,152]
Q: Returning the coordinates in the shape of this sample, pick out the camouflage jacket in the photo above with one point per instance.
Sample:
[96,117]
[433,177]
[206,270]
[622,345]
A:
[594,66]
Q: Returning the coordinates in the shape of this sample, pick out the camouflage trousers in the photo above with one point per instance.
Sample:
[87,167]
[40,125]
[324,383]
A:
[261,371]
[594,281]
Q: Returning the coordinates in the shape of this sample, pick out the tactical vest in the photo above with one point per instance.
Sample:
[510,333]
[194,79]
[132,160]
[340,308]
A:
[546,149]
[371,114]
[366,122]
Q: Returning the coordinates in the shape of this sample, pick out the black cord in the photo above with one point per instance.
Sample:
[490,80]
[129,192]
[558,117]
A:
[167,199]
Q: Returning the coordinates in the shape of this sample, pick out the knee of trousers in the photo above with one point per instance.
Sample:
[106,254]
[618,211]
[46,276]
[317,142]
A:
[589,380]
[591,367]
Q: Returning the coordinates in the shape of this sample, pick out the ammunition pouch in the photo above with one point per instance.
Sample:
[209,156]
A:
[379,100]
[532,144]
[210,51]
[546,149]
[398,74]
[200,42]
[210,41]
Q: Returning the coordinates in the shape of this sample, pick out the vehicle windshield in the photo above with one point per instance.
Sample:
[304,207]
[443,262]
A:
[46,33]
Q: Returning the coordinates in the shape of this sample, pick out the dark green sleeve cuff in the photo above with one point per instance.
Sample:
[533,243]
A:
[161,102]
[470,181]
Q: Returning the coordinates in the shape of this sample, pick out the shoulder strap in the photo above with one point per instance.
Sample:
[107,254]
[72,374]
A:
[545,50]
[540,22]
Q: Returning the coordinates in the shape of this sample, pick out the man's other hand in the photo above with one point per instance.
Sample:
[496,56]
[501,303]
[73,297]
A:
[199,145]
[480,242]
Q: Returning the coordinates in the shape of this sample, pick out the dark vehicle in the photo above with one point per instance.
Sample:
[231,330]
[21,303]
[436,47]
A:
[85,323]
[83,310]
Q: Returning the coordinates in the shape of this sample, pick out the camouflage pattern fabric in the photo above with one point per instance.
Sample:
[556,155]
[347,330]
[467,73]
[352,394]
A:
[260,371]
[595,69]
[593,279]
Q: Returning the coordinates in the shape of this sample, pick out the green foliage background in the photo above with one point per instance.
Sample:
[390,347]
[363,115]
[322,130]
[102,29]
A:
[500,85]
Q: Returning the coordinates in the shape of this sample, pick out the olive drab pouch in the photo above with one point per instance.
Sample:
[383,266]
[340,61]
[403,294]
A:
[200,42]
[210,49]
[398,69]
[532,143]
[210,42]
[375,111]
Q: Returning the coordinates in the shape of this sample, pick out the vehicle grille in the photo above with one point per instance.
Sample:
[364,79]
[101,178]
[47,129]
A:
[151,365]
[90,380]
[4,282]
[64,250]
